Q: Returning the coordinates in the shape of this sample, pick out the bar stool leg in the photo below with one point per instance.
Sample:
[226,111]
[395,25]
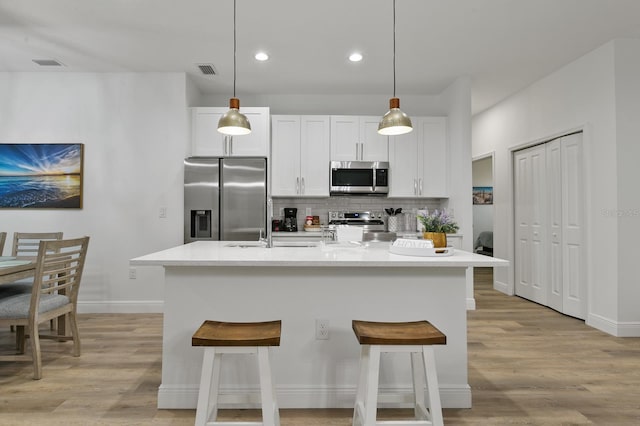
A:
[435,407]
[371,391]
[418,374]
[270,415]
[207,379]
[358,411]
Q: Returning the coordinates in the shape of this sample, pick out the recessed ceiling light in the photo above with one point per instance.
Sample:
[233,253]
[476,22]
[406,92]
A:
[261,56]
[355,57]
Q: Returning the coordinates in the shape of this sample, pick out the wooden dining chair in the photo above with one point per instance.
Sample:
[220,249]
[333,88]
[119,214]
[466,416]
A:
[58,274]
[3,238]
[26,244]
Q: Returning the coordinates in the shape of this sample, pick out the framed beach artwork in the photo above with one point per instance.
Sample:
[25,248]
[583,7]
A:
[482,195]
[41,175]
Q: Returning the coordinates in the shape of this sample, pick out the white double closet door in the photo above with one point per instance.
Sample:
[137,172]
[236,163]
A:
[549,204]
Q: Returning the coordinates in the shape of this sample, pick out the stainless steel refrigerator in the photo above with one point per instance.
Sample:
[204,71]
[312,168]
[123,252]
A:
[224,198]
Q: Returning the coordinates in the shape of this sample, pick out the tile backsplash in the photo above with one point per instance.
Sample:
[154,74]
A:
[322,206]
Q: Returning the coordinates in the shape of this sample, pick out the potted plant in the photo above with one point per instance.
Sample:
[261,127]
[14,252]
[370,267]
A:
[436,226]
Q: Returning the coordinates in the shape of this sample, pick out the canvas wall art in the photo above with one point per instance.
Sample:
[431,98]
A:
[41,176]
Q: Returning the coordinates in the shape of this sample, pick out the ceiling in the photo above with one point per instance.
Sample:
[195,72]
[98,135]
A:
[502,45]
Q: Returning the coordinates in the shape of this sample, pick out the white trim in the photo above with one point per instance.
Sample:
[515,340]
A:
[186,397]
[503,287]
[615,328]
[121,307]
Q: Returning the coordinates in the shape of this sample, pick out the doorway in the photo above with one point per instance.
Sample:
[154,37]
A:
[482,179]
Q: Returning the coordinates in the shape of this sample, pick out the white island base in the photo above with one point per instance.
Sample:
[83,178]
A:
[209,281]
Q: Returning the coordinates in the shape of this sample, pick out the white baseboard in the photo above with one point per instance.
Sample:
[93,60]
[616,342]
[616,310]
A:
[615,328]
[471,304]
[121,307]
[186,397]
[502,287]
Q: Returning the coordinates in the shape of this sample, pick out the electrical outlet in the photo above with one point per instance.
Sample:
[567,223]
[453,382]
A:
[162,213]
[133,273]
[322,329]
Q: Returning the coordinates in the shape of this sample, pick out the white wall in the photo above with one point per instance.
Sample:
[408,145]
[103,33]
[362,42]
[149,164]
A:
[627,72]
[134,131]
[581,95]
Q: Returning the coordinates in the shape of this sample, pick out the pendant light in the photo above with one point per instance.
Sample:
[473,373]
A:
[233,122]
[394,122]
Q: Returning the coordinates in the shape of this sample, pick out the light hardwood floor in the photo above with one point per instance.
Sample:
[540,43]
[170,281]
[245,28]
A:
[528,365]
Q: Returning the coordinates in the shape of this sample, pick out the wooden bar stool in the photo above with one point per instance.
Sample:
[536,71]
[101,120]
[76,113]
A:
[235,338]
[416,338]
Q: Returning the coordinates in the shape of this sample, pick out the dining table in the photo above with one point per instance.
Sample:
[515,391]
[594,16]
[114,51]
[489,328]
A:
[14,268]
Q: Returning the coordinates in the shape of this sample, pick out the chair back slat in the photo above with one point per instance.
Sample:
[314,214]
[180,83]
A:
[59,267]
[3,238]
[27,243]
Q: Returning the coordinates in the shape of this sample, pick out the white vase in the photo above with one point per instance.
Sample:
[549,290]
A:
[392,224]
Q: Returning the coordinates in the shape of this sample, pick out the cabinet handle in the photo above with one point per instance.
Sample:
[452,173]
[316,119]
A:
[230,145]
[420,186]
[361,151]
[297,185]
[302,189]
[357,155]
[415,186]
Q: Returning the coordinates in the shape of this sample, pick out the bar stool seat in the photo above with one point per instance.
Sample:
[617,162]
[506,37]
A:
[416,338]
[220,338]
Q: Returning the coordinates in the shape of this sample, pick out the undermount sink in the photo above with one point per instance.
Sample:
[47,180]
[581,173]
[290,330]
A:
[247,244]
[295,244]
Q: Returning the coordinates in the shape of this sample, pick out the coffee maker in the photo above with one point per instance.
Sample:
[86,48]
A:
[290,219]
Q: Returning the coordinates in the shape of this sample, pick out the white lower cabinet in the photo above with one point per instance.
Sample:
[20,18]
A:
[419,160]
[207,141]
[300,155]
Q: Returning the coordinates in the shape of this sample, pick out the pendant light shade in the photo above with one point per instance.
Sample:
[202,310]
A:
[233,122]
[394,122]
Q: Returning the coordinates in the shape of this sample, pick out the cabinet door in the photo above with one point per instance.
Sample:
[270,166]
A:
[256,143]
[207,141]
[375,147]
[285,155]
[403,171]
[205,138]
[434,157]
[345,141]
[314,155]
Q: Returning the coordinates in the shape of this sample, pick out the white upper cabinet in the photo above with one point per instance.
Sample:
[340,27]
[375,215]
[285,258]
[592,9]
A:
[207,141]
[300,155]
[356,138]
[419,160]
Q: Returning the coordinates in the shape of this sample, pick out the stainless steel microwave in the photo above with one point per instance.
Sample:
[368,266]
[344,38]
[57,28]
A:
[359,178]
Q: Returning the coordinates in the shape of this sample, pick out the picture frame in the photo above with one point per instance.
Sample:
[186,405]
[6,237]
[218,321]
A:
[482,195]
[41,175]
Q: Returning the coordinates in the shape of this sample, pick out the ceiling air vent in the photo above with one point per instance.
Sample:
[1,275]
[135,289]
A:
[207,69]
[48,63]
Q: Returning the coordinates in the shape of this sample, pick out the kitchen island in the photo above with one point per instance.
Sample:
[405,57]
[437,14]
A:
[231,281]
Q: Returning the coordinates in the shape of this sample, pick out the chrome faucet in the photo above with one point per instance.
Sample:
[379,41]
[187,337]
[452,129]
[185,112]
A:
[268,240]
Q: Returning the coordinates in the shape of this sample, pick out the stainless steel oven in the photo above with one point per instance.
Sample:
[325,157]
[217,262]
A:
[359,178]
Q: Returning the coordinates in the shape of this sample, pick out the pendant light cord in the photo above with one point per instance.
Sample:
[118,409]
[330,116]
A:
[394,48]
[234,48]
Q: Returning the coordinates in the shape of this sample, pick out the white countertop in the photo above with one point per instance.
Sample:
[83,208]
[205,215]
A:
[218,253]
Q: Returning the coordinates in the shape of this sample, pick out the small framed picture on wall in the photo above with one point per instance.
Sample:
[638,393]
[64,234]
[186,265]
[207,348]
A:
[482,195]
